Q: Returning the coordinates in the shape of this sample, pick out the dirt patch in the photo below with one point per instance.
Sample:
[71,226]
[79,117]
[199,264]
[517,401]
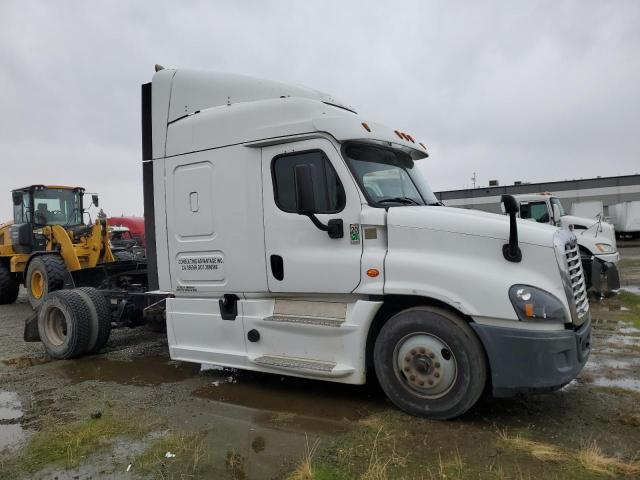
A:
[218,423]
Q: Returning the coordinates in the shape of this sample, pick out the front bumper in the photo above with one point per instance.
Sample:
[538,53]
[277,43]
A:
[526,361]
[608,257]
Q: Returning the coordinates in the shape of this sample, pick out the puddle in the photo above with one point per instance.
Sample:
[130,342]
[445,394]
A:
[623,340]
[11,432]
[631,289]
[629,330]
[141,371]
[612,363]
[288,397]
[624,383]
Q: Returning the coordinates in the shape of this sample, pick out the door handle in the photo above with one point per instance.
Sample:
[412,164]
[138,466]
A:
[277,267]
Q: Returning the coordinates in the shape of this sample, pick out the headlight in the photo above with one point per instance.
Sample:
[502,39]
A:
[533,304]
[604,248]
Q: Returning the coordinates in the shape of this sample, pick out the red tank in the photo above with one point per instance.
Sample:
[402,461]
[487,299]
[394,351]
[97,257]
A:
[134,224]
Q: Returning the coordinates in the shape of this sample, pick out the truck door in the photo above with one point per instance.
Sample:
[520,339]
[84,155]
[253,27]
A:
[299,256]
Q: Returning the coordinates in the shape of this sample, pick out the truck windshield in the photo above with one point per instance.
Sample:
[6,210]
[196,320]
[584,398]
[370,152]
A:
[57,206]
[388,177]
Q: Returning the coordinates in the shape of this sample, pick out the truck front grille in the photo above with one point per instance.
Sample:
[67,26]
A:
[576,278]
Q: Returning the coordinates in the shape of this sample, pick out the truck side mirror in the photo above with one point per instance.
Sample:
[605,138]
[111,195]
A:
[94,199]
[511,205]
[305,194]
[511,251]
[17,198]
[306,202]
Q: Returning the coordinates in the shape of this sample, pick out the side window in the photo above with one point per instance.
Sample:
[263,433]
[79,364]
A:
[328,190]
[537,211]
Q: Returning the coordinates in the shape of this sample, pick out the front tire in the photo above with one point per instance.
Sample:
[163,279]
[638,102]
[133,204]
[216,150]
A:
[45,274]
[9,286]
[430,363]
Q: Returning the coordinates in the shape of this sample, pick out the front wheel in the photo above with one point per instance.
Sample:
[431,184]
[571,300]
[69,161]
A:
[45,275]
[430,363]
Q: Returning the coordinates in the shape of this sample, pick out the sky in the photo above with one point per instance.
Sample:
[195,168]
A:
[531,91]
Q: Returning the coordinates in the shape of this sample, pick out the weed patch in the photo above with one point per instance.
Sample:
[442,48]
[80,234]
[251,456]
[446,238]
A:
[174,455]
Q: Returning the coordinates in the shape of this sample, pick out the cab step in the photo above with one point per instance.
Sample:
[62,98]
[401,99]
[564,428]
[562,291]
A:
[326,314]
[303,365]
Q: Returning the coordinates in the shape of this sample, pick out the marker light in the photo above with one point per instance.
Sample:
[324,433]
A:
[366,127]
[373,272]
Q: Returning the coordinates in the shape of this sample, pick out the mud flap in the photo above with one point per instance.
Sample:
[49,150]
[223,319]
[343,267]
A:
[613,277]
[31,333]
[587,263]
[596,276]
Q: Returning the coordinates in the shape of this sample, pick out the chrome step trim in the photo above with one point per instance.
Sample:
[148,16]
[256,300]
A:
[295,363]
[306,320]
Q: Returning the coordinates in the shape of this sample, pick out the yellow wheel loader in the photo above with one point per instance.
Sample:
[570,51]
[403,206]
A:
[47,239]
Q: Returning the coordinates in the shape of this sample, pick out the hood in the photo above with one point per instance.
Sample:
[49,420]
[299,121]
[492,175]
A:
[469,222]
[590,227]
[582,221]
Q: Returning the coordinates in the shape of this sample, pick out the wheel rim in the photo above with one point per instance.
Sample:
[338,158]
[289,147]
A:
[55,326]
[37,284]
[425,365]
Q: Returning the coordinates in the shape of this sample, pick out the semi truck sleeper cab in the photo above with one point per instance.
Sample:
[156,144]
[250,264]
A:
[297,237]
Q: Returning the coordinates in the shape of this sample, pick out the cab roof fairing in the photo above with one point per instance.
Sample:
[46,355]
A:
[191,104]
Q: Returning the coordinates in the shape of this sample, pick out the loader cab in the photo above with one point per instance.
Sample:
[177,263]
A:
[39,206]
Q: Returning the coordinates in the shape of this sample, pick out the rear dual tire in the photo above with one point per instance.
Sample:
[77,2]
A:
[74,322]
[63,324]
[430,363]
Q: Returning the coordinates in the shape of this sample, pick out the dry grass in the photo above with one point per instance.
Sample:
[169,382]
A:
[542,451]
[377,468]
[305,470]
[189,450]
[592,459]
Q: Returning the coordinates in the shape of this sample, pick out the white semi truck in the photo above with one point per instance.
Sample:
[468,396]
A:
[596,238]
[288,234]
[297,237]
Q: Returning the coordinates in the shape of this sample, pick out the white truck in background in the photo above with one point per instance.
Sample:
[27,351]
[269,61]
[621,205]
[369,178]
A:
[596,238]
[589,209]
[626,218]
[294,236]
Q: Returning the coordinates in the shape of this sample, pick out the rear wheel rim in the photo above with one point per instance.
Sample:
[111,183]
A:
[55,326]
[425,365]
[37,284]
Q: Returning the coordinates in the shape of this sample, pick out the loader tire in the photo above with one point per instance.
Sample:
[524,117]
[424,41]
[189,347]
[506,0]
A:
[100,324]
[45,274]
[9,286]
[64,324]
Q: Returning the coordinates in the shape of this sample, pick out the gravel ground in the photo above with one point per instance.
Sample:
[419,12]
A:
[258,426]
